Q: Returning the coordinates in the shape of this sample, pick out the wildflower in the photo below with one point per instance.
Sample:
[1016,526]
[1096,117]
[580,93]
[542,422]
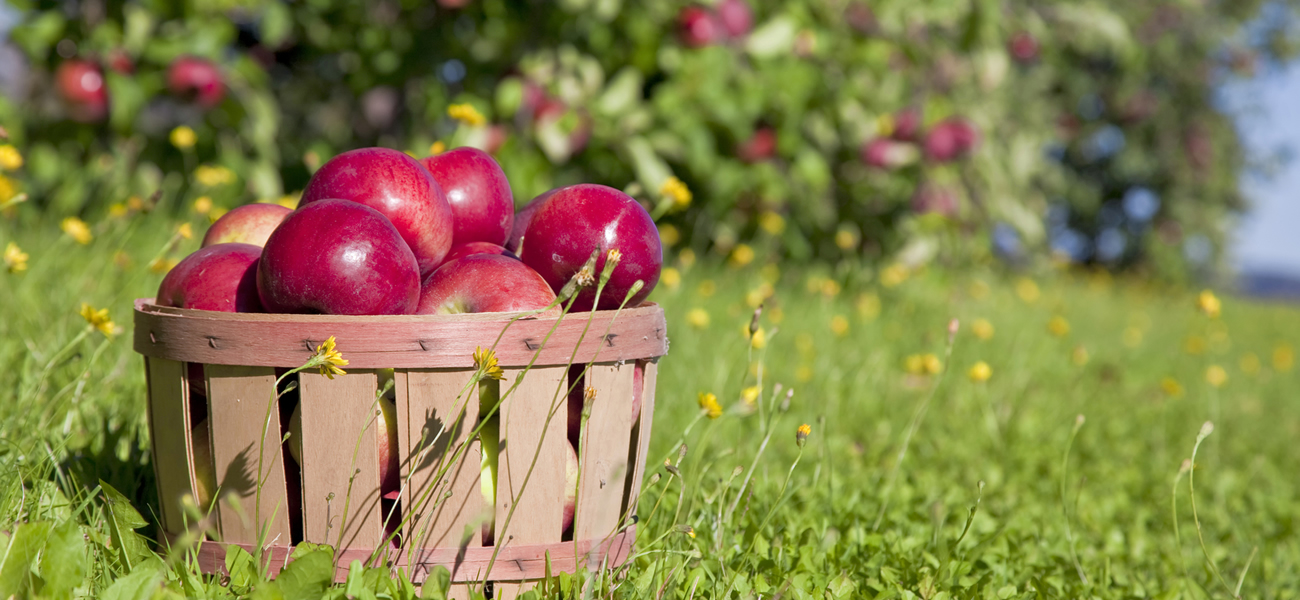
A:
[893,275]
[922,364]
[771,222]
[980,372]
[688,530]
[467,114]
[1058,326]
[931,364]
[669,235]
[1079,356]
[1216,376]
[982,329]
[135,203]
[1171,387]
[98,319]
[203,205]
[846,239]
[749,396]
[183,137]
[8,192]
[612,258]
[15,258]
[830,288]
[10,158]
[485,360]
[686,257]
[162,264]
[757,296]
[839,325]
[117,210]
[77,230]
[210,176]
[742,255]
[758,340]
[709,404]
[1249,364]
[329,359]
[698,318]
[1209,304]
[437,148]
[671,278]
[1027,290]
[186,231]
[673,189]
[801,435]
[1283,357]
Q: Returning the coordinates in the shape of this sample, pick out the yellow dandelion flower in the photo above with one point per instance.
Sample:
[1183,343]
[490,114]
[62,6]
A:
[203,205]
[690,531]
[162,264]
[839,325]
[1250,364]
[10,158]
[1208,303]
[98,319]
[801,435]
[707,288]
[135,203]
[485,360]
[980,372]
[1194,345]
[210,176]
[1133,336]
[216,213]
[982,329]
[669,235]
[466,113]
[1027,290]
[709,404]
[830,288]
[697,318]
[1283,357]
[118,210]
[1058,326]
[437,148]
[329,359]
[978,289]
[741,255]
[893,275]
[77,230]
[868,305]
[15,258]
[686,257]
[675,190]
[749,396]
[771,222]
[8,192]
[671,278]
[931,364]
[1216,375]
[183,137]
[846,239]
[914,364]
[1171,387]
[1079,356]
[758,341]
[185,231]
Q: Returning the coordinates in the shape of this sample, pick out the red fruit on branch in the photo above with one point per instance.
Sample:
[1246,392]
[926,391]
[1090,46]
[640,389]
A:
[698,27]
[884,153]
[1023,47]
[933,198]
[81,85]
[736,17]
[907,125]
[950,139]
[196,78]
[759,147]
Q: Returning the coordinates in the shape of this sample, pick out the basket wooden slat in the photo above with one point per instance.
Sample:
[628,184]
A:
[386,342]
[437,415]
[604,451]
[169,417]
[239,399]
[640,442]
[336,462]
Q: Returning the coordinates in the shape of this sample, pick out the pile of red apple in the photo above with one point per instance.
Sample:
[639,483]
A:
[377,232]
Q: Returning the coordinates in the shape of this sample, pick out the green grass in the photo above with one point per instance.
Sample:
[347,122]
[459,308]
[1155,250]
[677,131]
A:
[910,485]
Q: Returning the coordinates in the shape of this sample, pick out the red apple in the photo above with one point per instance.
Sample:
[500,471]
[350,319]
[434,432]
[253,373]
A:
[473,248]
[884,153]
[523,218]
[698,27]
[120,61]
[950,139]
[398,187]
[570,486]
[736,17]
[1024,47]
[484,283]
[338,257]
[390,476]
[907,125]
[759,147]
[248,224]
[482,207]
[205,470]
[196,78]
[578,219]
[221,277]
[81,84]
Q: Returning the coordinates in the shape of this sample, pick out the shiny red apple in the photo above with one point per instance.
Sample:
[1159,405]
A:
[482,206]
[578,219]
[338,257]
[736,17]
[397,186]
[950,139]
[473,248]
[221,277]
[81,84]
[196,78]
[484,283]
[248,224]
[525,216]
[884,153]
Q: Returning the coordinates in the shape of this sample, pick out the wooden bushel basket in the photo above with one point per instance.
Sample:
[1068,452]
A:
[223,367]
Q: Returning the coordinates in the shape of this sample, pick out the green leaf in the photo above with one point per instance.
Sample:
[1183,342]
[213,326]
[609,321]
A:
[305,548]
[622,93]
[355,587]
[128,100]
[277,24]
[436,584]
[842,586]
[128,547]
[241,566]
[16,563]
[773,38]
[64,563]
[308,575]
[141,584]
[39,34]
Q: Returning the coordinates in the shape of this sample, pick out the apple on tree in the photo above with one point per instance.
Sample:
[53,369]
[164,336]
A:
[577,219]
[81,84]
[222,277]
[337,257]
[196,78]
[484,283]
[478,193]
[248,224]
[397,186]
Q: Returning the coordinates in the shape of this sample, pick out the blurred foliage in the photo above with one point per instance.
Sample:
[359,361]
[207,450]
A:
[1095,137]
